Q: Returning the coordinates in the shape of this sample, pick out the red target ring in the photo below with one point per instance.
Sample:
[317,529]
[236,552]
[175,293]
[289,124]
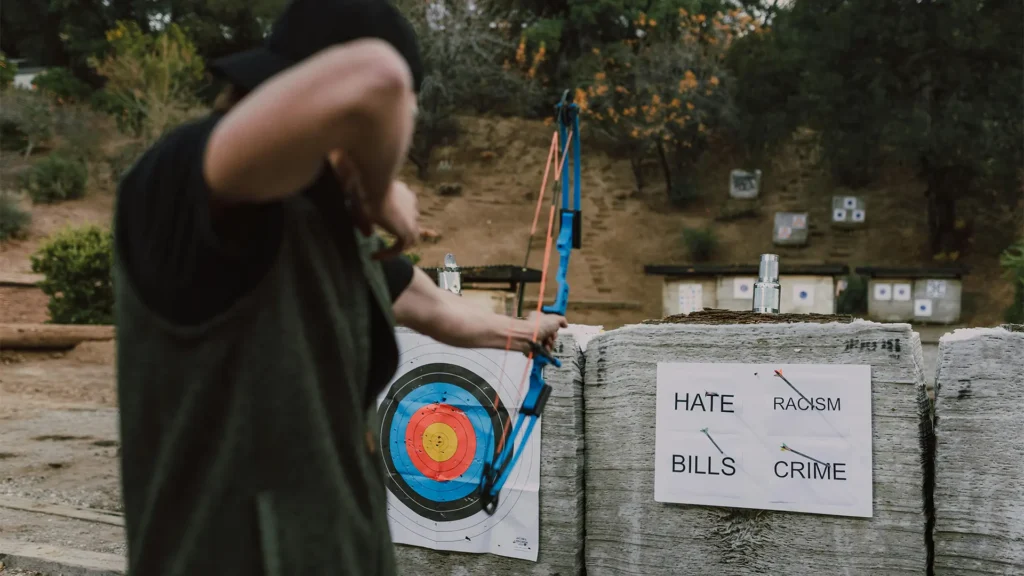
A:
[440,441]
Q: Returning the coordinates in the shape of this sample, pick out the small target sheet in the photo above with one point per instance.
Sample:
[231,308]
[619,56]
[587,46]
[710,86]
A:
[441,419]
[793,437]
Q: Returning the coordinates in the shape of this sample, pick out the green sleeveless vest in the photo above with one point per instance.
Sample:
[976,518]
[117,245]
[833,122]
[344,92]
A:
[245,439]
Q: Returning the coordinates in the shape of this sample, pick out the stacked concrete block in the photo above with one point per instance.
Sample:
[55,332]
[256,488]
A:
[628,533]
[561,489]
[979,454]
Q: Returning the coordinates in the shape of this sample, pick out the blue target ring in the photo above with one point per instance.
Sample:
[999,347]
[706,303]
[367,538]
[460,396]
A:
[439,393]
[466,397]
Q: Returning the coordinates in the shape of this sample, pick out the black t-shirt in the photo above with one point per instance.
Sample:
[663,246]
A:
[188,264]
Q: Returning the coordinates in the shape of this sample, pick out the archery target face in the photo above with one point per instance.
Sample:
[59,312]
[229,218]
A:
[743,288]
[439,424]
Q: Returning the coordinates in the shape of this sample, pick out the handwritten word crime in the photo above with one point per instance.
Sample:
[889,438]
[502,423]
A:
[811,470]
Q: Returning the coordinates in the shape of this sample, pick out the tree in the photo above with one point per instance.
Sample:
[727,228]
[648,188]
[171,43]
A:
[936,83]
[665,91]
[463,47]
[152,79]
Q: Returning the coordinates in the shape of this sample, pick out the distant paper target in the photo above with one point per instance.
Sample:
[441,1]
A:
[935,288]
[440,421]
[743,288]
[901,292]
[850,202]
[785,232]
[803,295]
[858,216]
[691,297]
[922,307]
[799,221]
[883,292]
[839,215]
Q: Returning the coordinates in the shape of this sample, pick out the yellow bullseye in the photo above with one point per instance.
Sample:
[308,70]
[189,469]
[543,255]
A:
[440,442]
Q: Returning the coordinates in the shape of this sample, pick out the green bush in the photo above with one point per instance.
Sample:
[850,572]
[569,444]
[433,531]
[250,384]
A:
[60,83]
[55,178]
[1013,261]
[81,133]
[27,120]
[8,70]
[700,243]
[13,220]
[854,299]
[77,263]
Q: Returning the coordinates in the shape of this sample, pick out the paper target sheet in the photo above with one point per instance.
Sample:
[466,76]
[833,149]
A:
[438,426]
[793,437]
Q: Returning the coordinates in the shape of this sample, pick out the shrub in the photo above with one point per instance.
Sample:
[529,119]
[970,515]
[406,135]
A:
[55,178]
[77,264]
[123,159]
[8,70]
[1013,261]
[13,220]
[62,85]
[854,299]
[26,120]
[700,243]
[81,132]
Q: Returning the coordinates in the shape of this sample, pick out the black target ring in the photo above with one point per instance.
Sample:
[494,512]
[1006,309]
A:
[429,375]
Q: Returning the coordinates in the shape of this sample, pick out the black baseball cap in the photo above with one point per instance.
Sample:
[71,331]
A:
[308,26]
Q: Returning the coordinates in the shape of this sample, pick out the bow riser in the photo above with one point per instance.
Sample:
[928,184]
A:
[496,473]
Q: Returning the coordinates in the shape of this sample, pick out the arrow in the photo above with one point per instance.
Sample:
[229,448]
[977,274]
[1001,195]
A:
[705,431]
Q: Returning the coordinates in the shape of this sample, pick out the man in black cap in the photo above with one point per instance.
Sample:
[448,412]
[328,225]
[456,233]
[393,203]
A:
[255,309]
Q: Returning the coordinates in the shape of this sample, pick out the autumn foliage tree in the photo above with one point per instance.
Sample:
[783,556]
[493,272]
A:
[665,91]
[152,79]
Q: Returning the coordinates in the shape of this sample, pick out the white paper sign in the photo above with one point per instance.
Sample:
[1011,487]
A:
[438,426]
[793,437]
[691,297]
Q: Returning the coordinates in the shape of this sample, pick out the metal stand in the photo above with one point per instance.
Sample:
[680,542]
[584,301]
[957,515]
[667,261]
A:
[767,290]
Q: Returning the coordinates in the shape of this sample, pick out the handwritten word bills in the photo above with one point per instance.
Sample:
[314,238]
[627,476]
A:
[793,437]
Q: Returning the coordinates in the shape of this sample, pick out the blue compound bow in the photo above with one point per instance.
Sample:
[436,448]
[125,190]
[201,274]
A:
[496,473]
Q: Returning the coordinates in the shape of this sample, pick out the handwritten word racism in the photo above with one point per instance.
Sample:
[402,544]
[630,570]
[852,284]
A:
[805,404]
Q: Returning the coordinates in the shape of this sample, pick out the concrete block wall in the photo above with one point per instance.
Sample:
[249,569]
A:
[979,453]
[561,490]
[628,533]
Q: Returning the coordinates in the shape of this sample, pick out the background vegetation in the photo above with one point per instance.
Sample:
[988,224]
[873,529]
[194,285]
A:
[930,85]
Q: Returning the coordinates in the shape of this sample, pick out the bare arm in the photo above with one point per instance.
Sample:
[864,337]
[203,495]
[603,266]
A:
[356,97]
[435,312]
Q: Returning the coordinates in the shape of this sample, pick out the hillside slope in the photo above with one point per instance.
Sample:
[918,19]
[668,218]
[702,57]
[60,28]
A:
[499,163]
[624,229]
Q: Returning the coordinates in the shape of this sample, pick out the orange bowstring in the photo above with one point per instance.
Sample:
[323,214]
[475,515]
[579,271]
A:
[552,153]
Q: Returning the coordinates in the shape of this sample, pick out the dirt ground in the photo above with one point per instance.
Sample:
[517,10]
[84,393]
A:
[59,445]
